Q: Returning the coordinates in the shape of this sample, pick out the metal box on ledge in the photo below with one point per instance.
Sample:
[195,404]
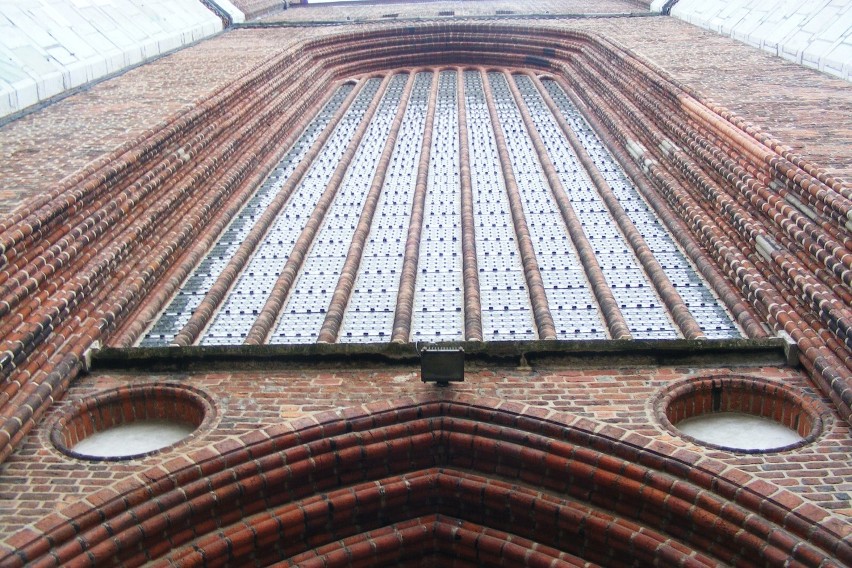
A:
[442,365]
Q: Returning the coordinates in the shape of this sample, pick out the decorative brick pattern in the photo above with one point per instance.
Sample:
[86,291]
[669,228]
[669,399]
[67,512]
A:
[40,149]
[32,482]
[358,11]
[36,152]
[105,249]
[627,113]
[806,109]
[337,475]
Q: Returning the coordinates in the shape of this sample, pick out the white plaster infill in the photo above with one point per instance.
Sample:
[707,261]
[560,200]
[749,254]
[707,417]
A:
[51,46]
[739,431]
[814,33]
[133,439]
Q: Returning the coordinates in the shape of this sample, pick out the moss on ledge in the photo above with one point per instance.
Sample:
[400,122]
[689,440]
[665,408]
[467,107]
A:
[596,353]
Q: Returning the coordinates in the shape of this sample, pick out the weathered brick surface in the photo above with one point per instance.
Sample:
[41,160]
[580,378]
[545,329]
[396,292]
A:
[253,9]
[43,147]
[38,478]
[812,481]
[356,11]
[808,111]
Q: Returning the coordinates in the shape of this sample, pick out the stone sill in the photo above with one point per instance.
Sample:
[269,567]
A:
[605,353]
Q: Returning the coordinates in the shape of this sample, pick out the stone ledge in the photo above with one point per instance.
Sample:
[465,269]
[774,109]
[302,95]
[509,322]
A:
[595,353]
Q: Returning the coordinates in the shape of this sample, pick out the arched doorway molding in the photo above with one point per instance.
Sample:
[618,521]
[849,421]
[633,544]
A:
[425,475]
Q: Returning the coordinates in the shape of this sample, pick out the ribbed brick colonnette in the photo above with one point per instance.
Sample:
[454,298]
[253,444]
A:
[343,290]
[379,484]
[739,236]
[213,299]
[618,327]
[408,279]
[77,263]
[472,299]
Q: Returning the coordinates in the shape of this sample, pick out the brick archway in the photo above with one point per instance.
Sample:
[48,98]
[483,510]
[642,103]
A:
[471,479]
[120,234]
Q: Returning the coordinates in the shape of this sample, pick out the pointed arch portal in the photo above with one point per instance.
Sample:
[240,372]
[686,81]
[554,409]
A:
[451,479]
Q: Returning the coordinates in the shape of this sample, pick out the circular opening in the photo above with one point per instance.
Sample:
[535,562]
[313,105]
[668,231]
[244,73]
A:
[744,414]
[739,430]
[131,422]
[135,438]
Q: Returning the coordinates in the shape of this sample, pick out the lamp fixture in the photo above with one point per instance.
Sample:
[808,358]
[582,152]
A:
[442,365]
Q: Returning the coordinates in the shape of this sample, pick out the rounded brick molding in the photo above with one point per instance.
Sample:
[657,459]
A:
[375,485]
[168,403]
[232,481]
[753,396]
[618,88]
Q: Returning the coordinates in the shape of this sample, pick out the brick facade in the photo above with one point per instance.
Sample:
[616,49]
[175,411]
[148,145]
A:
[324,464]
[40,480]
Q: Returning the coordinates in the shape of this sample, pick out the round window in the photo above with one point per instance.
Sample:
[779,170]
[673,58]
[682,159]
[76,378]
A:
[131,422]
[739,413]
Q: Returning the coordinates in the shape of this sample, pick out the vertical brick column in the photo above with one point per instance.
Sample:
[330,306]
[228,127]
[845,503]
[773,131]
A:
[667,292]
[617,326]
[408,278]
[470,268]
[278,295]
[743,312]
[824,363]
[535,285]
[214,297]
[334,316]
[129,331]
[759,222]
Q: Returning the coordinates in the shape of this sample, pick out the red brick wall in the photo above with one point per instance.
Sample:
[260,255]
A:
[39,480]
[611,412]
